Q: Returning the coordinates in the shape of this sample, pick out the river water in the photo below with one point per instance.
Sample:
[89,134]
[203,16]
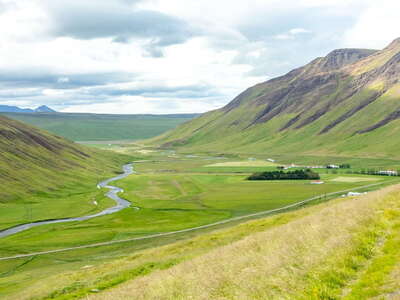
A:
[112,194]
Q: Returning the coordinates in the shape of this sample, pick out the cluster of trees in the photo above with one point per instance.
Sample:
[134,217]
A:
[344,166]
[281,175]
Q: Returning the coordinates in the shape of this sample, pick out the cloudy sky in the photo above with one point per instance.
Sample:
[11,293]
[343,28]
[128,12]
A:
[170,56]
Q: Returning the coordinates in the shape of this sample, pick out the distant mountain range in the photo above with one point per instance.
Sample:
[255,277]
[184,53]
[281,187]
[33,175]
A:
[40,109]
[346,103]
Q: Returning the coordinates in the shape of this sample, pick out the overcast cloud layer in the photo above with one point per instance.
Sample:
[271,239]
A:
[170,56]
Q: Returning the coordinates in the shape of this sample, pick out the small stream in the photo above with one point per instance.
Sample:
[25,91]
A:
[112,194]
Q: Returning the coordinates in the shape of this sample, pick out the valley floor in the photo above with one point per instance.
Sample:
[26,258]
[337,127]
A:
[325,250]
[348,248]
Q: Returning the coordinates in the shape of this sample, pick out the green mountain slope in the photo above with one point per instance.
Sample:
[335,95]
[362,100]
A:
[346,103]
[33,161]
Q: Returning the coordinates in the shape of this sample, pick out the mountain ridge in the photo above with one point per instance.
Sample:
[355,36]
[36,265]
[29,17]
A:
[44,109]
[328,104]
[39,109]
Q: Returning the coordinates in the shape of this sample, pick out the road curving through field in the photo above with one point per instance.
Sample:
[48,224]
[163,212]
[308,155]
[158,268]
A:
[112,194]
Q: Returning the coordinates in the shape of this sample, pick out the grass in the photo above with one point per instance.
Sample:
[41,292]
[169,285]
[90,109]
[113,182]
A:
[380,277]
[93,274]
[171,196]
[249,163]
[98,127]
[320,262]
[171,202]
[44,176]
[353,179]
[168,202]
[88,272]
[72,200]
[232,193]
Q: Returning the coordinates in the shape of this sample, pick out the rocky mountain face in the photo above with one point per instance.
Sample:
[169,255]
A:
[327,106]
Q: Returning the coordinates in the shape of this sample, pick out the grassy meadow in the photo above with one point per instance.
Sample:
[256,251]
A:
[174,191]
[347,249]
[102,127]
[342,233]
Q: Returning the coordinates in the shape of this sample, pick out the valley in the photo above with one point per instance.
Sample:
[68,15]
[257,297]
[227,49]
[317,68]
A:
[174,192]
[294,184]
[111,194]
[92,128]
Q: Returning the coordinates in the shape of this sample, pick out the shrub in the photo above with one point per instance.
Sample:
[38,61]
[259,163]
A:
[281,175]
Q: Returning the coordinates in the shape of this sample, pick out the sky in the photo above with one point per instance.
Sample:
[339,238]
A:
[170,56]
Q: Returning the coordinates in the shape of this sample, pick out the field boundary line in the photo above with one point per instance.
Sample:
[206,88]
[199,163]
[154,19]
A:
[162,234]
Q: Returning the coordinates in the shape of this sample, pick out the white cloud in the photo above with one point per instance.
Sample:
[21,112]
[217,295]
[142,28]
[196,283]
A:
[51,92]
[295,31]
[378,25]
[222,47]
[63,80]
[292,34]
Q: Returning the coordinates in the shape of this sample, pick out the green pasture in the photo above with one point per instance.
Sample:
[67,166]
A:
[74,200]
[173,192]
[170,202]
[102,127]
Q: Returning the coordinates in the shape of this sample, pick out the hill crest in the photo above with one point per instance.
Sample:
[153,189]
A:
[327,106]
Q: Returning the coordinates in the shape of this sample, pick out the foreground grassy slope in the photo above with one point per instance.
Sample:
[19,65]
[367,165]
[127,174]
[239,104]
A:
[343,250]
[332,106]
[102,127]
[45,176]
[335,250]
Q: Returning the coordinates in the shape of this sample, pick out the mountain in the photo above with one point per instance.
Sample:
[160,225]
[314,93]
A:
[16,109]
[44,109]
[346,103]
[33,161]
[7,108]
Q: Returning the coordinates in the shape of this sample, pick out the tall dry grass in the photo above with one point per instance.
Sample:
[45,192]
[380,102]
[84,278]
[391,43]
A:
[285,262]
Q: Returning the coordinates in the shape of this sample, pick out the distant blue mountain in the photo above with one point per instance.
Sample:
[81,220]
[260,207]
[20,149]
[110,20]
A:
[44,108]
[40,109]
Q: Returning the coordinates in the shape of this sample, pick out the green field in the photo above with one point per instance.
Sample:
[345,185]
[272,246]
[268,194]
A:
[173,192]
[102,127]
[74,199]
[172,202]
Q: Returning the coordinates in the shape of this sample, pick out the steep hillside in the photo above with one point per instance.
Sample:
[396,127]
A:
[35,161]
[346,103]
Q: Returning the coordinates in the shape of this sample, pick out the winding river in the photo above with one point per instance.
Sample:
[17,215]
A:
[112,194]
